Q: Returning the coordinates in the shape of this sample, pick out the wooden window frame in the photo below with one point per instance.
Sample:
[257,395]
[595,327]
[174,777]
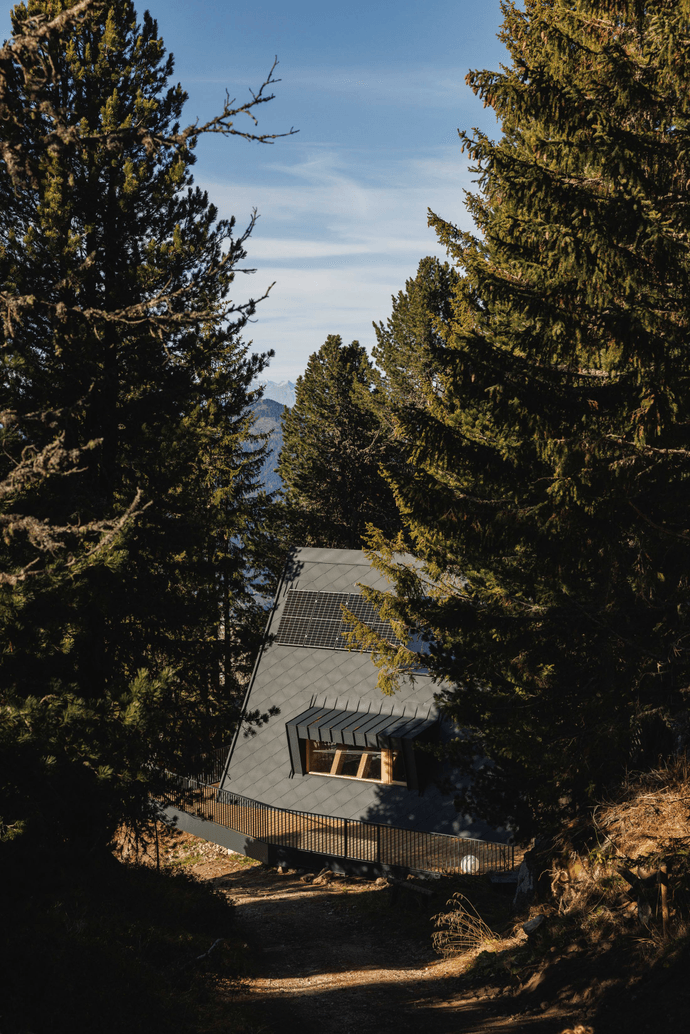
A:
[387,763]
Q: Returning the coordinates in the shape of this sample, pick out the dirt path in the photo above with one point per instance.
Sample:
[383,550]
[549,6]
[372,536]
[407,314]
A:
[336,956]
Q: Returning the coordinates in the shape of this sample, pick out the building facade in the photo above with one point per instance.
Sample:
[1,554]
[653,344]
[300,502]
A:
[338,746]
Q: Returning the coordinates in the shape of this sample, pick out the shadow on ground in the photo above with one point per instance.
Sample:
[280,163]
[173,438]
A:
[338,957]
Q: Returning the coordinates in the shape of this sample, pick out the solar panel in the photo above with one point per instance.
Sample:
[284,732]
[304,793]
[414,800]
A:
[316,619]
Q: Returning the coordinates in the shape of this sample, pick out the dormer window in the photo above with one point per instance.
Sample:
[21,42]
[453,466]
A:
[367,745]
[348,762]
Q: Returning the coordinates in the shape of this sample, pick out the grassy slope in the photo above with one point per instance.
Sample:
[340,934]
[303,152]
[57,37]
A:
[601,955]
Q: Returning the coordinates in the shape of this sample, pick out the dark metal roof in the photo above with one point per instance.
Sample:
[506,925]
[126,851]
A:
[359,728]
[295,679]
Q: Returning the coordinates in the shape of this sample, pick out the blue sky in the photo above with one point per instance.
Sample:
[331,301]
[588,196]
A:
[377,93]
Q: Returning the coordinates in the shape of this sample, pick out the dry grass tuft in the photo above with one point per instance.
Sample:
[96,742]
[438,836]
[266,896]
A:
[636,838]
[650,818]
[461,929]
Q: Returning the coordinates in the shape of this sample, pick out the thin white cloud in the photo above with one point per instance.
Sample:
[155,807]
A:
[305,306]
[289,249]
[338,196]
[415,87]
[338,236]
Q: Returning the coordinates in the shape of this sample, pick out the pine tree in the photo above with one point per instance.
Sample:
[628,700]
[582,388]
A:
[130,517]
[546,493]
[410,345]
[332,448]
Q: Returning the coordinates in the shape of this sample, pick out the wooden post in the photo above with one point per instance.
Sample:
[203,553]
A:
[338,761]
[663,883]
[364,765]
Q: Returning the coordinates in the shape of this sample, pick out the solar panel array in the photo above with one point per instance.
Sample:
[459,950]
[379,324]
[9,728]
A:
[316,619]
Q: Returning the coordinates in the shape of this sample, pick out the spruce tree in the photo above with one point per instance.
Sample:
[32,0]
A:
[131,522]
[546,491]
[332,448]
[410,345]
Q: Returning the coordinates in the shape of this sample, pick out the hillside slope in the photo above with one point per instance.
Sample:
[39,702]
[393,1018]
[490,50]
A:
[267,420]
[346,954]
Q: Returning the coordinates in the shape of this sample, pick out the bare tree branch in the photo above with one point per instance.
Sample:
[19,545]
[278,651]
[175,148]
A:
[26,60]
[29,72]
[48,539]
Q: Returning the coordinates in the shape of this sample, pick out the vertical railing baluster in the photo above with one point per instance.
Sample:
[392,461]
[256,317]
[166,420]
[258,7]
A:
[329,835]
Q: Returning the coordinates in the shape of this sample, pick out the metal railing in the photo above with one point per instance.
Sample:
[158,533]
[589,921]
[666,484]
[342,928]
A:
[209,767]
[350,839]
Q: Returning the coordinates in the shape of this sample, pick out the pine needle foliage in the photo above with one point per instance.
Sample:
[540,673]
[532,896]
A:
[131,523]
[545,488]
[333,446]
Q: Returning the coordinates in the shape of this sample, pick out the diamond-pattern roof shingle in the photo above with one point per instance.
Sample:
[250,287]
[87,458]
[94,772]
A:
[293,678]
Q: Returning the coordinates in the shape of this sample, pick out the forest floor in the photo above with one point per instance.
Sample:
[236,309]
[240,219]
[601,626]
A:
[345,955]
[182,937]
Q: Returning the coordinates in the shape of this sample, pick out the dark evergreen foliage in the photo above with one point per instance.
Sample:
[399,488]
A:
[546,490]
[132,525]
[101,945]
[410,345]
[333,446]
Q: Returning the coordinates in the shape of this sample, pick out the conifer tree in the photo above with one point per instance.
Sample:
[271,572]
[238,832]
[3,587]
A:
[546,494]
[332,448]
[128,465]
[410,344]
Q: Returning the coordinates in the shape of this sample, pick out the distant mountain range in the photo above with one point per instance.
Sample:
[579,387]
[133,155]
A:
[268,413]
[282,391]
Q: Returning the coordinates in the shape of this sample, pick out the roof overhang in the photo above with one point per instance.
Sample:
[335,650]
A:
[359,728]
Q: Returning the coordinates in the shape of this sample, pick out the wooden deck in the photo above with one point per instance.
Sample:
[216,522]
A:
[348,839]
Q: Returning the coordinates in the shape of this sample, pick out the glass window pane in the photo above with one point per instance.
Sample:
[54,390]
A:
[349,761]
[373,766]
[321,757]
[337,759]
